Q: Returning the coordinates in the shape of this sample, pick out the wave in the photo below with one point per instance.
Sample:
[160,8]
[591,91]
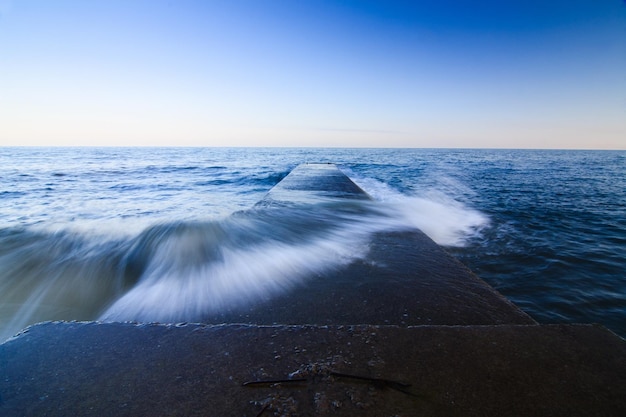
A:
[45,276]
[190,270]
[183,271]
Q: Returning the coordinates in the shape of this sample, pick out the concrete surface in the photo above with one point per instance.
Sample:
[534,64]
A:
[312,183]
[89,369]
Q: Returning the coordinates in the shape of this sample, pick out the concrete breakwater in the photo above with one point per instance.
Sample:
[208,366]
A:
[407,331]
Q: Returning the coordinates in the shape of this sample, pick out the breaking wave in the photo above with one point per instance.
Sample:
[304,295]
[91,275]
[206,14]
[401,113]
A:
[182,271]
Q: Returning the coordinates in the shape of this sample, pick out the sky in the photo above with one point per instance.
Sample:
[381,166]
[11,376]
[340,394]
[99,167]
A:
[389,73]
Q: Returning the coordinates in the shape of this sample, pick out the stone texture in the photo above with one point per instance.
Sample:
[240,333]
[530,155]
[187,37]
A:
[60,369]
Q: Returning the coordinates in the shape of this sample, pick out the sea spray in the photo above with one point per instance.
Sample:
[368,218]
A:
[193,270]
[199,269]
[445,219]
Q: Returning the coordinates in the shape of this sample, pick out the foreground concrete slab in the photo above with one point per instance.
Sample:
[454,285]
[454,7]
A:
[81,369]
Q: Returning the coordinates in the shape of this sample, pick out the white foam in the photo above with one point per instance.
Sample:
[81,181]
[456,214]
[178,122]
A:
[443,218]
[172,291]
[182,283]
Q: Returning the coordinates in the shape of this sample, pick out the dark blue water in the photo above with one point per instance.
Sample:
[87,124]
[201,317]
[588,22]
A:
[88,233]
[557,240]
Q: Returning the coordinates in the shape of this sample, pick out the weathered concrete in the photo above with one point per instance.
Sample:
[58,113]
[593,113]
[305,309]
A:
[312,183]
[196,370]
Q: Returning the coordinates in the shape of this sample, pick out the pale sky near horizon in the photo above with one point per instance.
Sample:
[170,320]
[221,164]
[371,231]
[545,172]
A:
[389,73]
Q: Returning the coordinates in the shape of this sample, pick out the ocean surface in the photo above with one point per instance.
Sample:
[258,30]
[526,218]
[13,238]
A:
[170,234]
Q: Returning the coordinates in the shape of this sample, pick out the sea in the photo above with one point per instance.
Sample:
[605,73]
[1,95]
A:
[84,230]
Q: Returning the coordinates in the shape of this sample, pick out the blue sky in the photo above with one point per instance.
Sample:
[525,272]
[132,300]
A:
[447,73]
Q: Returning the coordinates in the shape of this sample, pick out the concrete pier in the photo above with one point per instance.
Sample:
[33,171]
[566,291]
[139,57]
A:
[409,332]
[407,278]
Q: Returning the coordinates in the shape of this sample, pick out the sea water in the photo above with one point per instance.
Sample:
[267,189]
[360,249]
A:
[170,234]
